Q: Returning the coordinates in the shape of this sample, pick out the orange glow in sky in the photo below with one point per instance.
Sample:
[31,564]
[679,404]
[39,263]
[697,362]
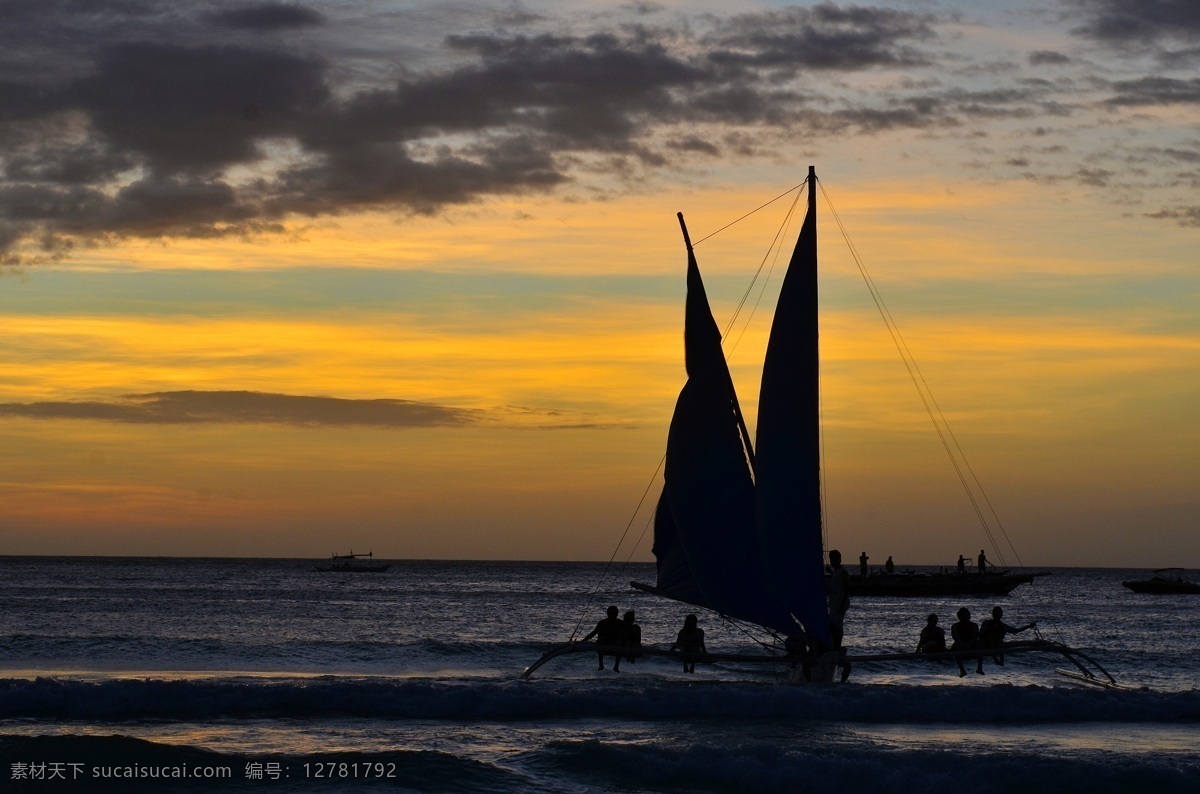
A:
[194,336]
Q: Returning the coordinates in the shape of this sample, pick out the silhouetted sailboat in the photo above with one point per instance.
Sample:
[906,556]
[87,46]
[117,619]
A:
[738,527]
[352,563]
[1166,581]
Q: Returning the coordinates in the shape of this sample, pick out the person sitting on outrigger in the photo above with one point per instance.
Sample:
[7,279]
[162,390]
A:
[933,637]
[691,641]
[631,638]
[608,632]
[966,637]
[993,629]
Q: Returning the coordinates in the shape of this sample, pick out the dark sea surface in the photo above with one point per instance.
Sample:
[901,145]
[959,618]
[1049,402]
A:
[129,674]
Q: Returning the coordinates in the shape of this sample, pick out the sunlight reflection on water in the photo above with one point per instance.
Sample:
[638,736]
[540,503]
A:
[1124,738]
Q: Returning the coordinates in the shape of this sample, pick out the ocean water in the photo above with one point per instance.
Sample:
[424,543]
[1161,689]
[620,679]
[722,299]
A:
[131,674]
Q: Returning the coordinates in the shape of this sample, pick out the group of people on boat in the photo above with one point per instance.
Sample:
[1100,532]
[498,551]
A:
[621,638]
[981,566]
[621,632]
[889,567]
[864,570]
[625,634]
[967,636]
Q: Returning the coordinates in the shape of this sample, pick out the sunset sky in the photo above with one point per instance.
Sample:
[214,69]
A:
[284,279]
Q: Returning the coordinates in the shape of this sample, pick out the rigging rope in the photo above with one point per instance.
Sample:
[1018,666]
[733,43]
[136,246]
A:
[751,212]
[940,423]
[777,249]
[613,556]
[941,427]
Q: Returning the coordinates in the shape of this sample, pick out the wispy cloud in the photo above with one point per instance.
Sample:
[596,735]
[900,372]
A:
[250,407]
[1156,91]
[245,407]
[1184,216]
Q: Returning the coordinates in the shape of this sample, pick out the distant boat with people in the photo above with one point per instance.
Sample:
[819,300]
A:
[966,580]
[352,563]
[738,527]
[1166,581]
[915,584]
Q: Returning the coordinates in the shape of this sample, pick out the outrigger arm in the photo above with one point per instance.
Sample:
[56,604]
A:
[1086,674]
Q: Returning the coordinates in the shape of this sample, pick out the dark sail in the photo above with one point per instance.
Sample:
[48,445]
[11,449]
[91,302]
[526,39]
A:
[788,485]
[674,574]
[705,538]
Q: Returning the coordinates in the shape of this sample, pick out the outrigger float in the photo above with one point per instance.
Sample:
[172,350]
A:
[1087,670]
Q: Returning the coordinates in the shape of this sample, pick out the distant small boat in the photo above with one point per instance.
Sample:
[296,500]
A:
[913,584]
[1166,581]
[353,563]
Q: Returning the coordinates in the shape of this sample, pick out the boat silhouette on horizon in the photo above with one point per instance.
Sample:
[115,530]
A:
[352,563]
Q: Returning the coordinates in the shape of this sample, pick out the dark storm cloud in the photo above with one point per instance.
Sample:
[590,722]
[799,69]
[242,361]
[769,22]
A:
[1181,155]
[693,144]
[245,407]
[1156,91]
[196,108]
[88,162]
[19,101]
[369,174]
[268,17]
[593,93]
[137,119]
[1140,21]
[825,36]
[1047,58]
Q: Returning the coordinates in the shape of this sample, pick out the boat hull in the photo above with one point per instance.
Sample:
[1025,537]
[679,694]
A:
[372,568]
[1163,587]
[937,584]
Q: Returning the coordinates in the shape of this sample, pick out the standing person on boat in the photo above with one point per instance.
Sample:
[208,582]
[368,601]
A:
[631,638]
[962,564]
[838,597]
[862,564]
[982,563]
[966,637]
[933,638]
[993,629]
[608,632]
[691,641]
[889,566]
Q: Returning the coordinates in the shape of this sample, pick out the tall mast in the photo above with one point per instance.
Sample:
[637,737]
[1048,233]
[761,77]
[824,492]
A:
[812,188]
[812,210]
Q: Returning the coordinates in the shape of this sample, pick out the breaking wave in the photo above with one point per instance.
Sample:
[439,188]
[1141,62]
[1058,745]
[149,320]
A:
[629,699]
